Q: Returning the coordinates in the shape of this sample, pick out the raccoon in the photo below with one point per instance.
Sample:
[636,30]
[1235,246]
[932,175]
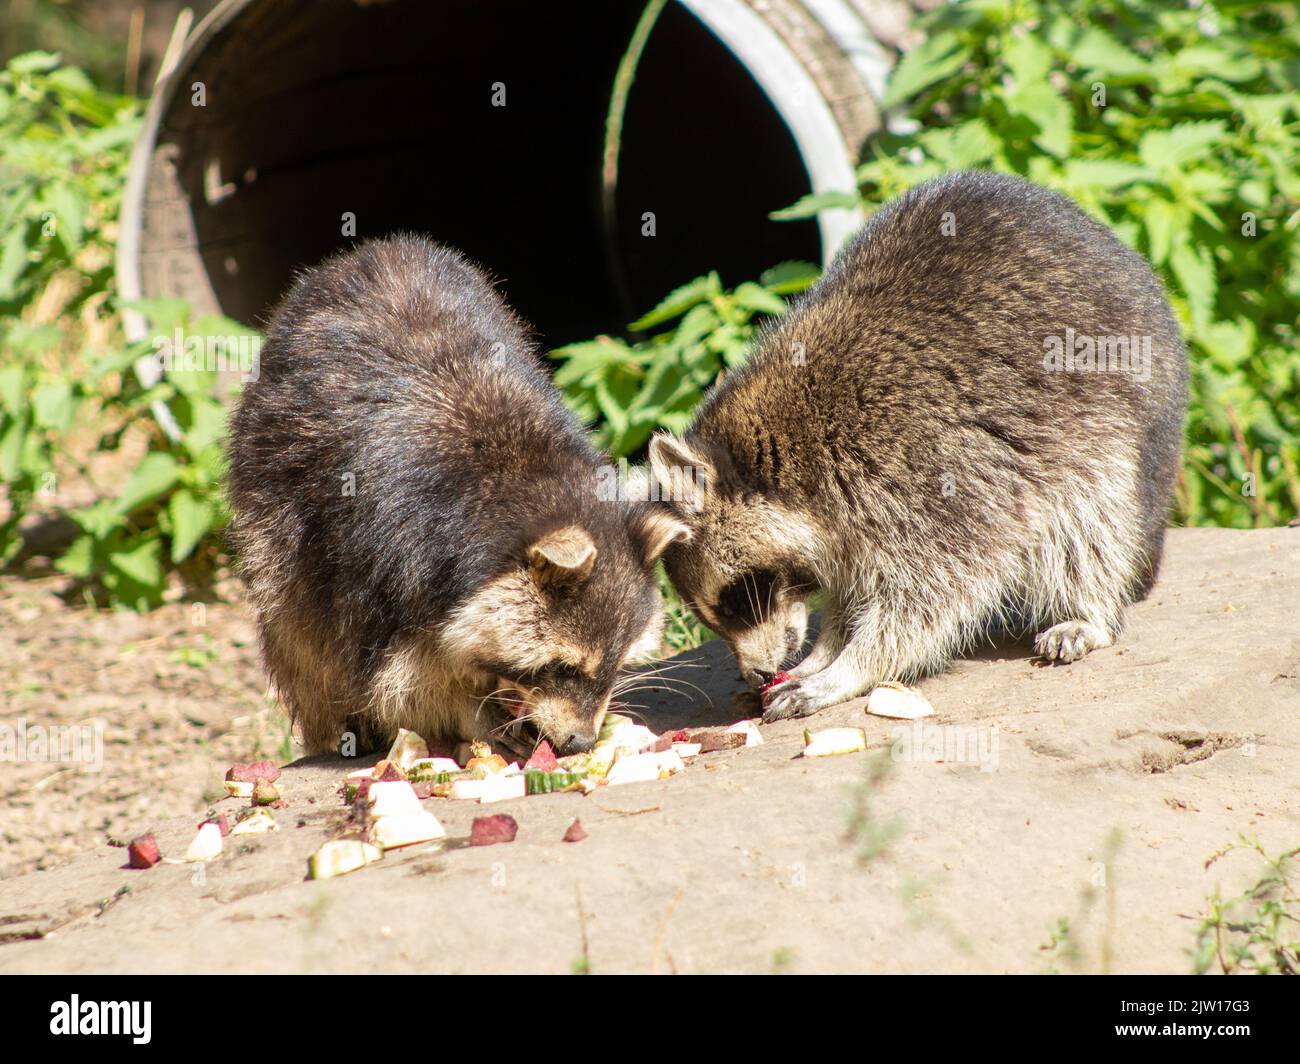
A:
[971,423]
[418,520]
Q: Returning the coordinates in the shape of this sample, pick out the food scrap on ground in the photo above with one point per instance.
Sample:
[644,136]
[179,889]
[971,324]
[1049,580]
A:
[206,845]
[340,856]
[898,702]
[831,741]
[490,830]
[574,832]
[143,852]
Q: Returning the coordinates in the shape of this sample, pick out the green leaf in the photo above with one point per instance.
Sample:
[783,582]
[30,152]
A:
[1161,219]
[13,391]
[53,405]
[1194,269]
[787,278]
[1048,110]
[1104,173]
[156,474]
[1163,150]
[33,63]
[79,559]
[1097,52]
[814,203]
[141,564]
[758,298]
[679,301]
[961,147]
[191,519]
[13,261]
[11,449]
[937,57]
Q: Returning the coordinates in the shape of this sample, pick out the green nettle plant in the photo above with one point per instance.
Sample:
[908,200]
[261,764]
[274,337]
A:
[627,390]
[1177,125]
[68,392]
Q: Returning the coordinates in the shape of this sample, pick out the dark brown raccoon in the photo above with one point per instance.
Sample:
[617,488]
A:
[973,421]
[417,515]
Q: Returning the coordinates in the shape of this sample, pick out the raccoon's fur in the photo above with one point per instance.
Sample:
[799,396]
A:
[417,515]
[910,442]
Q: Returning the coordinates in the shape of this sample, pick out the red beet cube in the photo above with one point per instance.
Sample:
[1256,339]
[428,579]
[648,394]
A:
[543,759]
[575,832]
[489,830]
[143,852]
[258,770]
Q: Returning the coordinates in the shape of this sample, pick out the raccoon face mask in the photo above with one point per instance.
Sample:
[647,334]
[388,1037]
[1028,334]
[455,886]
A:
[551,635]
[742,569]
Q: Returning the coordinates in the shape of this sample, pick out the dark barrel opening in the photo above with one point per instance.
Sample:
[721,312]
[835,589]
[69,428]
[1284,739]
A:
[385,111]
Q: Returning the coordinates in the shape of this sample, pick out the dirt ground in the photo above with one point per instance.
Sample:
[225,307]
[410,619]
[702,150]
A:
[1094,792]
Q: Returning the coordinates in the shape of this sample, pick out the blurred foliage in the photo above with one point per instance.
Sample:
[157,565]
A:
[627,389]
[68,392]
[1177,125]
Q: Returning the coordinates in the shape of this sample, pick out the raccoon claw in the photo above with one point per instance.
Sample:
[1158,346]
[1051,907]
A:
[1069,641]
[791,699]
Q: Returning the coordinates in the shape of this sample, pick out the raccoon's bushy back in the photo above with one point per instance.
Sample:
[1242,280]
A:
[922,351]
[379,463]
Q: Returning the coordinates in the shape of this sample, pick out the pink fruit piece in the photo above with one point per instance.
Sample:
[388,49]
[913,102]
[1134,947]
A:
[779,678]
[681,736]
[257,770]
[221,822]
[543,759]
[143,852]
[388,772]
[575,832]
[489,830]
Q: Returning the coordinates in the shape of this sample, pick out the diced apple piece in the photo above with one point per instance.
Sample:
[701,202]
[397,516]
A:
[634,768]
[898,702]
[407,749]
[503,787]
[206,845]
[831,741]
[341,856]
[265,793]
[467,790]
[480,768]
[747,728]
[255,822]
[406,829]
[393,798]
[687,749]
[239,788]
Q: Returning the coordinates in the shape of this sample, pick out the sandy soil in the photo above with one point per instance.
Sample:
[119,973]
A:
[1094,792]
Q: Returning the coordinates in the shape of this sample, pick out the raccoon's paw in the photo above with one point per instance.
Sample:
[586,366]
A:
[1069,641]
[803,697]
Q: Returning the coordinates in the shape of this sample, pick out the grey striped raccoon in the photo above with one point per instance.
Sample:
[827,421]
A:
[973,421]
[418,520]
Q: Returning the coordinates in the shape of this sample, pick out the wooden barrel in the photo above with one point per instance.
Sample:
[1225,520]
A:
[286,130]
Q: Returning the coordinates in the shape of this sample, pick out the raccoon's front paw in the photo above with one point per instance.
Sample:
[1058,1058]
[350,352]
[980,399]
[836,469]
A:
[803,697]
[1069,641]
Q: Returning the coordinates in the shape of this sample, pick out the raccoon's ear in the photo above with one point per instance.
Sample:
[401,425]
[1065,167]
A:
[682,473]
[656,529]
[564,556]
